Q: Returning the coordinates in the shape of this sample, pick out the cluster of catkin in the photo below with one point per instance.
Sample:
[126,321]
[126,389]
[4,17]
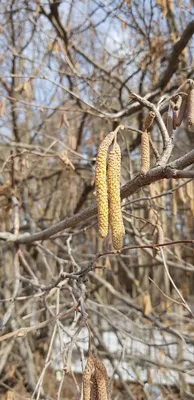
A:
[181,109]
[108,170]
[95,380]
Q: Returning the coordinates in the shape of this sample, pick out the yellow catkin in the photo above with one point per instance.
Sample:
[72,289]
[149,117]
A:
[101,185]
[149,120]
[189,190]
[145,153]
[181,193]
[190,111]
[115,213]
[87,378]
[174,199]
[192,206]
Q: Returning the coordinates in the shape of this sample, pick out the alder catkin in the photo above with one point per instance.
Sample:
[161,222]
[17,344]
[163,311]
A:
[189,190]
[149,120]
[101,185]
[158,238]
[100,366]
[145,153]
[170,125]
[115,213]
[101,384]
[190,111]
[87,377]
[94,388]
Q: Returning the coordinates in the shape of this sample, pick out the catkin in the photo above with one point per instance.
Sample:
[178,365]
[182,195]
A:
[101,185]
[174,118]
[149,120]
[158,238]
[100,366]
[189,190]
[145,153]
[101,384]
[190,111]
[170,125]
[95,380]
[87,377]
[181,194]
[115,213]
[94,388]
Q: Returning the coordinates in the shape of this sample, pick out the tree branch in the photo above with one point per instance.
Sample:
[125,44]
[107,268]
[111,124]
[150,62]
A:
[174,58]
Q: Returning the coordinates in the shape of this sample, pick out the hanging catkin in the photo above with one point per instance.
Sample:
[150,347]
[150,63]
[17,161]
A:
[87,378]
[95,380]
[189,190]
[101,384]
[158,238]
[101,185]
[149,120]
[182,110]
[190,111]
[94,388]
[145,153]
[181,193]
[115,213]
[170,125]
[100,366]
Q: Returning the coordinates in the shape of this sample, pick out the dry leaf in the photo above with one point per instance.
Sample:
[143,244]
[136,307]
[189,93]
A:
[56,47]
[10,395]
[37,11]
[28,89]
[147,305]
[65,120]
[19,88]
[65,160]
[60,122]
[123,25]
[2,107]
[73,142]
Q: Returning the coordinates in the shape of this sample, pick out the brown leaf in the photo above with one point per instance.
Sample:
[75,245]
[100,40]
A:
[37,11]
[28,89]
[123,25]
[19,88]
[2,107]
[65,120]
[60,122]
[73,142]
[147,305]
